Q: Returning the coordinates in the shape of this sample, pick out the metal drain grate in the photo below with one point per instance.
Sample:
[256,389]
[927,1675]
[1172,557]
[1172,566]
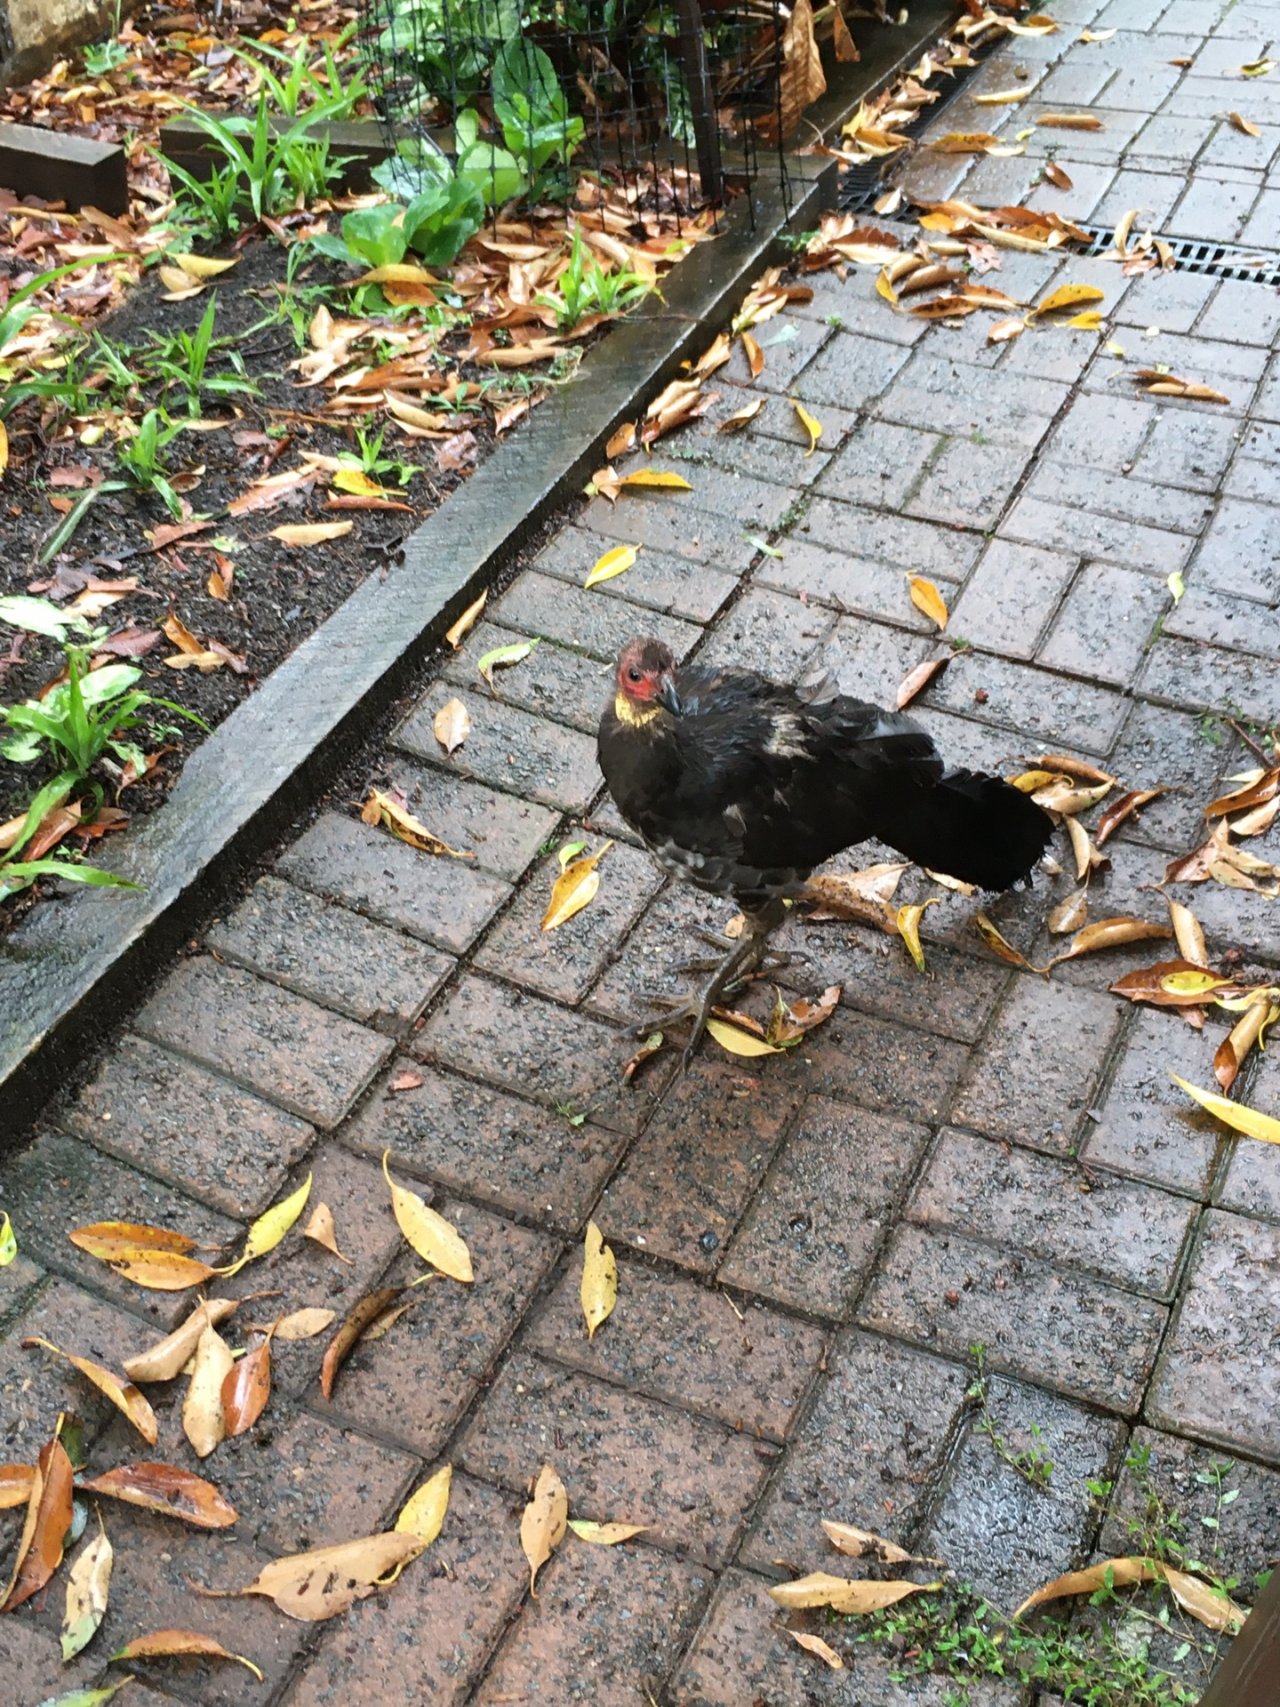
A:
[1198,255]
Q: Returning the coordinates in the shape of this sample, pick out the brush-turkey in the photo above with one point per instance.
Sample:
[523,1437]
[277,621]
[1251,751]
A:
[743,786]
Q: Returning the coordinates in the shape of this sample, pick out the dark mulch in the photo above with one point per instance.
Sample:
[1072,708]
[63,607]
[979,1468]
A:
[280,594]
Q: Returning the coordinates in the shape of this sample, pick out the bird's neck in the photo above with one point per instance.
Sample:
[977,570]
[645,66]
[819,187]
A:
[634,716]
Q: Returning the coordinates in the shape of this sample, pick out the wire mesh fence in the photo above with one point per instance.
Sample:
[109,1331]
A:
[678,103]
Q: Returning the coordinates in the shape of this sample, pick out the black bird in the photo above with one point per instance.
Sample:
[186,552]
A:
[743,786]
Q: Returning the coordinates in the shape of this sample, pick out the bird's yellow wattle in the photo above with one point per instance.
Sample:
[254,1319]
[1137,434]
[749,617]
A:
[632,715]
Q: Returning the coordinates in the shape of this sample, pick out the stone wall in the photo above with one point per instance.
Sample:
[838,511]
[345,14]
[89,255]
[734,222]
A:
[34,32]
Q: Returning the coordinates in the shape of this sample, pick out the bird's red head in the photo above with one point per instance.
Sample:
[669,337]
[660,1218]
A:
[646,676]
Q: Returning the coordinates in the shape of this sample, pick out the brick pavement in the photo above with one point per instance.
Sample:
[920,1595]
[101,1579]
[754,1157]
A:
[807,1250]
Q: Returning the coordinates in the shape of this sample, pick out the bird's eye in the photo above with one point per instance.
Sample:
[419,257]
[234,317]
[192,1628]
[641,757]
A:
[634,675]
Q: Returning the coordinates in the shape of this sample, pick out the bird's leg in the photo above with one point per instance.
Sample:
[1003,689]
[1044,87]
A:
[745,957]
[774,961]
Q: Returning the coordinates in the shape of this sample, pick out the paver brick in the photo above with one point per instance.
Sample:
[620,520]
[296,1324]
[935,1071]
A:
[673,1339]
[865,1454]
[866,586]
[1169,142]
[757,450]
[911,544]
[622,1457]
[1237,553]
[1212,209]
[35,1386]
[605,1629]
[848,374]
[1183,1475]
[1011,596]
[683,530]
[1217,1378]
[1168,749]
[1240,312]
[1187,673]
[306,1483]
[187,1126]
[564,963]
[283,1046]
[446,901]
[1034,1072]
[1042,705]
[553,681]
[1153,194]
[1008,409]
[501,831]
[1061,1330]
[433,1634]
[1156,550]
[878,465]
[513,751]
[662,941]
[1186,447]
[469,1138]
[788,342]
[1128,497]
[413,1385]
[954,999]
[301,1274]
[335,957]
[689,1177]
[1219,619]
[813,1231]
[1250,1178]
[743,1653]
[657,580]
[869,659]
[1105,432]
[768,632]
[524,1044]
[1264,218]
[60,1183]
[861,1059]
[1106,623]
[1117,1229]
[996,1530]
[543,605]
[969,485]
[155,1561]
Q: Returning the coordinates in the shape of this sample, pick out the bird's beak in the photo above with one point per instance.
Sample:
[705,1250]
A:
[669,697]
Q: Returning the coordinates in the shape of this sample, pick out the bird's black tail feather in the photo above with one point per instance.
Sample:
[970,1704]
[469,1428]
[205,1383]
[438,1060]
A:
[970,826]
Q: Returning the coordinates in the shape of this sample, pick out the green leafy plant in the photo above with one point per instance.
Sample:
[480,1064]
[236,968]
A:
[102,58]
[265,167]
[141,457]
[340,86]
[21,309]
[370,460]
[585,287]
[18,874]
[181,360]
[447,55]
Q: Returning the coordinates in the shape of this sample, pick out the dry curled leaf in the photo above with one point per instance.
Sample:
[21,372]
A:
[816,1646]
[318,1585]
[844,1594]
[45,1528]
[754,355]
[1244,126]
[1213,1608]
[359,1320]
[606,1534]
[88,1588]
[434,1239]
[1112,933]
[812,426]
[152,1257]
[451,725]
[1123,809]
[1234,1114]
[739,1042]
[916,681]
[383,809]
[167,1489]
[599,1289]
[247,1387]
[270,1227]
[300,534]
[742,417]
[305,1324]
[166,1644]
[928,600]
[544,1522]
[16,1481]
[322,1231]
[203,1420]
[1247,1032]
[466,622]
[574,889]
[908,920]
[122,1394]
[999,945]
[423,1513]
[857,1543]
[167,1359]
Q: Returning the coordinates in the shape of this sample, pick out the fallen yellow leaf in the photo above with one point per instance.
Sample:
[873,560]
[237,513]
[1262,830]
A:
[810,425]
[310,533]
[599,1288]
[908,920]
[615,562]
[1067,296]
[1234,1114]
[927,599]
[1243,125]
[270,1227]
[844,1594]
[544,1522]
[434,1239]
[574,889]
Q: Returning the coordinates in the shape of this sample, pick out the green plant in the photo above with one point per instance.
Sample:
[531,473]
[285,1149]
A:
[102,58]
[181,359]
[450,55]
[304,86]
[1032,1462]
[21,309]
[434,225]
[585,287]
[268,168]
[141,457]
[371,461]
[19,874]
